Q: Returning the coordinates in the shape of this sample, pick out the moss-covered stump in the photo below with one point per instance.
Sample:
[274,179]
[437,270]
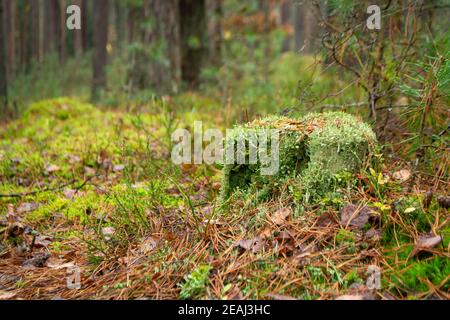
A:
[318,154]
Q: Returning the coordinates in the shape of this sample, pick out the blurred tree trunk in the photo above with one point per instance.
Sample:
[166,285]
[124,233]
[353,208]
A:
[120,24]
[25,31]
[51,23]
[78,34]
[286,7]
[215,12]
[10,35]
[3,59]
[84,25]
[62,33]
[299,27]
[36,30]
[306,27]
[100,43]
[156,61]
[193,29]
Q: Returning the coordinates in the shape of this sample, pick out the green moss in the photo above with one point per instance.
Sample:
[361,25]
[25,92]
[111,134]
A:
[411,276]
[315,153]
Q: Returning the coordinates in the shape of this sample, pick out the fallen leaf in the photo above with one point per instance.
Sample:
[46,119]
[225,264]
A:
[372,234]
[74,159]
[37,261]
[253,245]
[58,264]
[402,175]
[89,171]
[6,295]
[325,220]
[148,245]
[235,294]
[27,207]
[11,216]
[42,241]
[357,291]
[425,242]
[444,201]
[69,193]
[356,216]
[108,232]
[118,168]
[216,186]
[50,168]
[410,209]
[265,233]
[279,217]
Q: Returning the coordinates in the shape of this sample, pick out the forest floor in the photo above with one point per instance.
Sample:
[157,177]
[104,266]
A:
[94,191]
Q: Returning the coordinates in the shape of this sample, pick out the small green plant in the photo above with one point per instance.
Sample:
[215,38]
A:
[195,283]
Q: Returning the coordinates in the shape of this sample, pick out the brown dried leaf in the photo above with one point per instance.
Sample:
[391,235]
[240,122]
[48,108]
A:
[402,175]
[280,216]
[50,168]
[118,168]
[356,216]
[325,220]
[444,201]
[253,245]
[27,207]
[148,245]
[42,241]
[108,232]
[37,261]
[235,294]
[425,243]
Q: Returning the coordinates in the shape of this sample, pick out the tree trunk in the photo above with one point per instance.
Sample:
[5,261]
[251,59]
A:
[193,29]
[215,11]
[3,59]
[120,24]
[78,34]
[285,19]
[306,27]
[35,31]
[52,27]
[10,35]
[100,41]
[62,33]
[25,31]
[156,62]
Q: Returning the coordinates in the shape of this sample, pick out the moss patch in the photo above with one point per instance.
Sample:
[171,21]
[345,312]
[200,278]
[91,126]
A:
[315,152]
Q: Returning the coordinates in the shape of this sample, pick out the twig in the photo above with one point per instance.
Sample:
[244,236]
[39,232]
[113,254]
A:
[30,193]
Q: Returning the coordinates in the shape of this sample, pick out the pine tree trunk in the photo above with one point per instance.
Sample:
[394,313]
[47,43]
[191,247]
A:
[35,31]
[215,12]
[10,35]
[3,59]
[62,33]
[100,42]
[78,34]
[193,29]
[156,62]
[285,18]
